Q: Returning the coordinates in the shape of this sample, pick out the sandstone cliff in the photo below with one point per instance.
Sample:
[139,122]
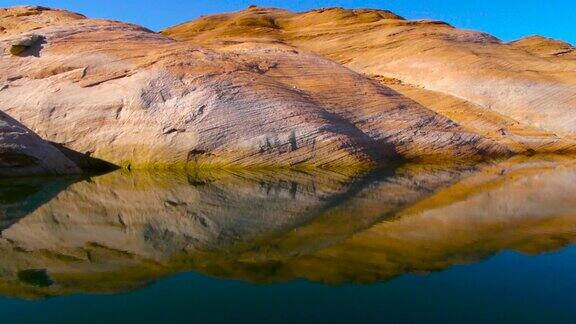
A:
[522,94]
[123,94]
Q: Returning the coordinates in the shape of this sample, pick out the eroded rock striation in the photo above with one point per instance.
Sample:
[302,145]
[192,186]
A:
[522,94]
[268,87]
[546,47]
[126,95]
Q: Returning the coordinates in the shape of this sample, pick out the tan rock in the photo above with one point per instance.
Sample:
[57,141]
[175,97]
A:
[24,153]
[505,79]
[19,46]
[543,46]
[123,94]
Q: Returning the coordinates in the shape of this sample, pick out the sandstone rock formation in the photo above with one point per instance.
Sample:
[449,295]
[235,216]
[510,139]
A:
[24,153]
[523,93]
[131,97]
[328,88]
[545,47]
[245,89]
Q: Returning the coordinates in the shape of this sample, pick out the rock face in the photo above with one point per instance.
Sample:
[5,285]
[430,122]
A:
[24,153]
[523,93]
[123,94]
[19,46]
[545,47]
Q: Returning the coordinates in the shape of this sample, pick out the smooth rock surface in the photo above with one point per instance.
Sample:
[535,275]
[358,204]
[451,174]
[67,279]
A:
[24,153]
[546,47]
[134,98]
[528,85]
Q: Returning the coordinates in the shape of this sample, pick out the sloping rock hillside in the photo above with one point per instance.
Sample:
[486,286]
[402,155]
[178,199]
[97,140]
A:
[135,98]
[24,153]
[522,94]
[546,47]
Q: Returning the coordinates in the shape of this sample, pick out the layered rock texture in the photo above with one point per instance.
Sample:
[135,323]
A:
[521,94]
[126,95]
[24,153]
[545,47]
[272,88]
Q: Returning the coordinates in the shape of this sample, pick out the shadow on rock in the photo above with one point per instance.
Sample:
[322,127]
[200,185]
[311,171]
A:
[22,196]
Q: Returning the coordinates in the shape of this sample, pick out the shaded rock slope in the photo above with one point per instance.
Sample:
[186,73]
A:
[522,94]
[24,153]
[123,94]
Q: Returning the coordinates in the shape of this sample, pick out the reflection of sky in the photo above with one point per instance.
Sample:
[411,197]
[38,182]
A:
[509,287]
[507,20]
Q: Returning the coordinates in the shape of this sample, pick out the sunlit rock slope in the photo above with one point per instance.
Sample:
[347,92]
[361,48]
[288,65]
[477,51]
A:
[132,97]
[522,94]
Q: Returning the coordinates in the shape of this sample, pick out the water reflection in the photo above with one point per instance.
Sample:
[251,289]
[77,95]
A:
[21,196]
[124,230]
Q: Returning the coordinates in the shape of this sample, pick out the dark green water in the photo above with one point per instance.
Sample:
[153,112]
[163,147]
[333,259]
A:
[483,243]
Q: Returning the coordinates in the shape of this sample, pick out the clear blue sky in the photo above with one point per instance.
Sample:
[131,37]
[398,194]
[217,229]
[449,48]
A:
[506,19]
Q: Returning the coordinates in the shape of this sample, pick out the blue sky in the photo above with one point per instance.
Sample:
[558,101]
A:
[506,19]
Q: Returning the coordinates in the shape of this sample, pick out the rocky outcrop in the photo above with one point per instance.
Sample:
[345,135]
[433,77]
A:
[546,47]
[504,83]
[123,94]
[24,153]
[260,88]
[19,46]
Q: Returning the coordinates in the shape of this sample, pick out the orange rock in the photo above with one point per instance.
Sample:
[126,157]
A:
[126,95]
[523,87]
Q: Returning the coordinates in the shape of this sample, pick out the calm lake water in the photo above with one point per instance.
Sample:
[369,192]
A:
[465,243]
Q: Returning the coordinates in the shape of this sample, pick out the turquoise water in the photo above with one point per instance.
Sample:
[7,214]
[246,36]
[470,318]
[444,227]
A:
[492,242]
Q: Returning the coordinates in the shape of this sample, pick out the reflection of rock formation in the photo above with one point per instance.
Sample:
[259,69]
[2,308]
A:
[528,207]
[123,230]
[21,196]
[133,225]
[119,221]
